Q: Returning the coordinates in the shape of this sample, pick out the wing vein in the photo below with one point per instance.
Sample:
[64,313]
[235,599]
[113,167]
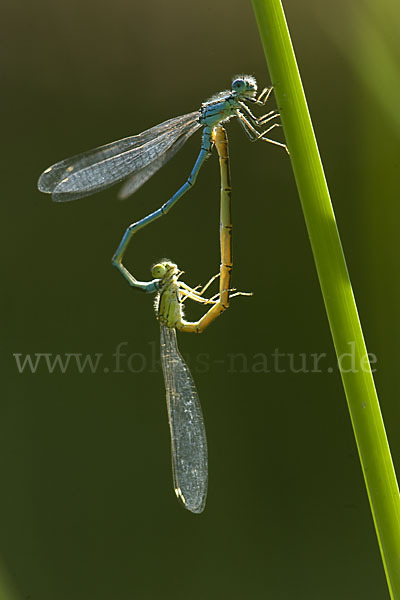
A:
[188,436]
[100,168]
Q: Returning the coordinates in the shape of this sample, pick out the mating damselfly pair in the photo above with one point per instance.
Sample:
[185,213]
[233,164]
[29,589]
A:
[135,159]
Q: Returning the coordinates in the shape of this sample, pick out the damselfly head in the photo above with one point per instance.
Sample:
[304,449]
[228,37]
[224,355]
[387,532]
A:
[244,86]
[164,269]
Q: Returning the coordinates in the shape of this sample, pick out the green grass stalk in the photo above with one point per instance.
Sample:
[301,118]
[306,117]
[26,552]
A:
[369,431]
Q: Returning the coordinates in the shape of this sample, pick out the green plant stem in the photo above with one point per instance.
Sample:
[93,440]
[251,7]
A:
[336,288]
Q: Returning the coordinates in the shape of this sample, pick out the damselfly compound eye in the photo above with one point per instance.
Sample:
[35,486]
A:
[158,271]
[238,85]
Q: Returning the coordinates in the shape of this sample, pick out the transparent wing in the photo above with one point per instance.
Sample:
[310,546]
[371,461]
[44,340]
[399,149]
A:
[100,168]
[140,177]
[188,435]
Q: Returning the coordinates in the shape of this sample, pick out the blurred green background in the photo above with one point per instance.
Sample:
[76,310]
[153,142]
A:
[87,509]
